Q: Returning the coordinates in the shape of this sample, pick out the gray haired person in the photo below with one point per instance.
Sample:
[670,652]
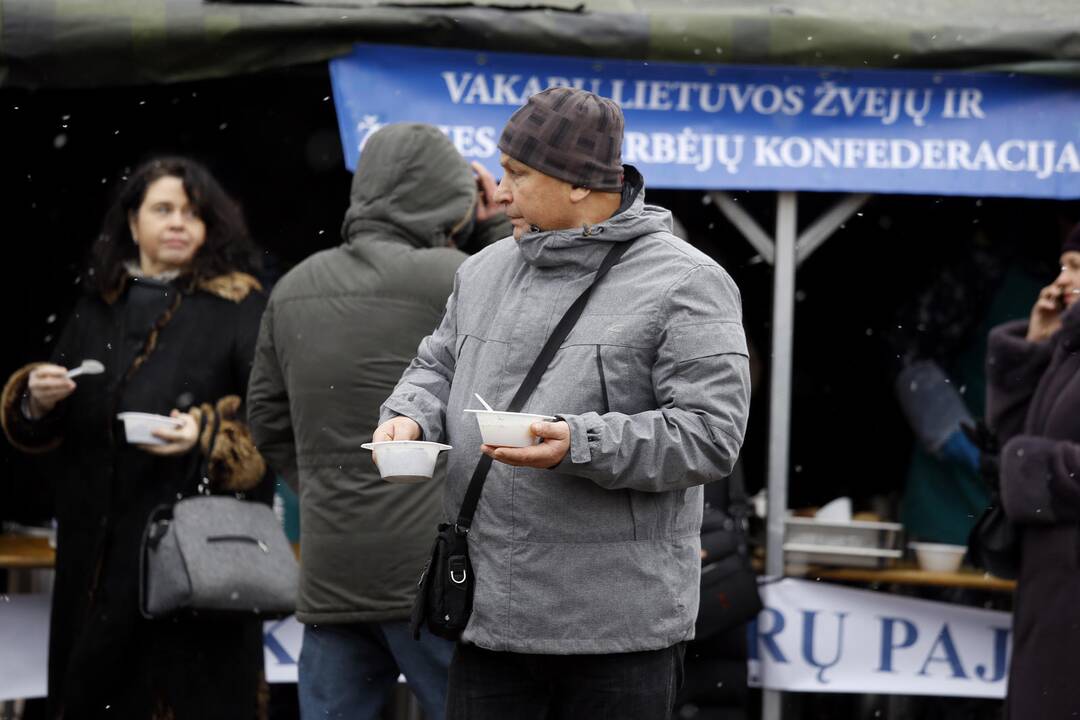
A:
[586,545]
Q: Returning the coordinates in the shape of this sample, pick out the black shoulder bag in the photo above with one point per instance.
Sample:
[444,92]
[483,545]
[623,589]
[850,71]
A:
[729,588]
[994,542]
[445,590]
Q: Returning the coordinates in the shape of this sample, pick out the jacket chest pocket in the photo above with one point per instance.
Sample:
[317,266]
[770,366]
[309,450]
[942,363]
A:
[479,368]
[605,365]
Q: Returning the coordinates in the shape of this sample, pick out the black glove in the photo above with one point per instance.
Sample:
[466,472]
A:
[989,452]
[982,436]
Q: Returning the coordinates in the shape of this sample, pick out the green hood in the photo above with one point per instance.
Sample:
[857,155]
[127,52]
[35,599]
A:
[411,183]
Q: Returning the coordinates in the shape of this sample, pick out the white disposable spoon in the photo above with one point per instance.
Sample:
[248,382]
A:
[88,367]
[484,403]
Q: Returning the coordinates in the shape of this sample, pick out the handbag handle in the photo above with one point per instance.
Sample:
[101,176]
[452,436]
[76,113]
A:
[200,463]
[532,379]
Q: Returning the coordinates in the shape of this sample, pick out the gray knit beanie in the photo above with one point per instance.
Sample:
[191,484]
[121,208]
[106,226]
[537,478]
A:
[570,134]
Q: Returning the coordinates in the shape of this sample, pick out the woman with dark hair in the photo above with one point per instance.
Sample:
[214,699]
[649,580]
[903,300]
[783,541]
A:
[172,315]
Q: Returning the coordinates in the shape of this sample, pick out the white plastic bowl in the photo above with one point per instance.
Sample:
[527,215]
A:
[406,461]
[138,427]
[508,429]
[936,557]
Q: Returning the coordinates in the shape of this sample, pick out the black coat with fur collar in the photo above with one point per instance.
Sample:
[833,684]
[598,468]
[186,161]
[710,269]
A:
[1032,402]
[164,346]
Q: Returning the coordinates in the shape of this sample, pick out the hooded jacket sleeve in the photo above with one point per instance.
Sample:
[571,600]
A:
[1013,368]
[1040,480]
[268,405]
[424,388]
[701,380]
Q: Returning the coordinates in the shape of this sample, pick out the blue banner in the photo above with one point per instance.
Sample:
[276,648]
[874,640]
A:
[744,127]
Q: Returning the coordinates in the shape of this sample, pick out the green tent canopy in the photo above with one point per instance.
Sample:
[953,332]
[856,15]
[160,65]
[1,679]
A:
[91,43]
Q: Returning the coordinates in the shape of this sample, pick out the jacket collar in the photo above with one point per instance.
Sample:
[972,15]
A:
[1070,328]
[585,247]
[234,286]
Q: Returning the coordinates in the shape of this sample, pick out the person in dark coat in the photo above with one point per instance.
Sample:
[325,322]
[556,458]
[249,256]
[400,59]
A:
[1033,374]
[173,318]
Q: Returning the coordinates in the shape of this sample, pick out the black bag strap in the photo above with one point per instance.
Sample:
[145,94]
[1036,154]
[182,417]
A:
[739,507]
[199,463]
[532,379]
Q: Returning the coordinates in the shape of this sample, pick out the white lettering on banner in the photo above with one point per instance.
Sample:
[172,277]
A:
[877,643]
[885,104]
[963,103]
[687,148]
[501,89]
[1043,158]
[470,141]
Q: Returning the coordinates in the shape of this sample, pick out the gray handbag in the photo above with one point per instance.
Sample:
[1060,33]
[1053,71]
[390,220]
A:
[216,554]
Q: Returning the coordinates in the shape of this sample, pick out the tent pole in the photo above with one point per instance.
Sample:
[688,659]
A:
[780,402]
[749,228]
[823,228]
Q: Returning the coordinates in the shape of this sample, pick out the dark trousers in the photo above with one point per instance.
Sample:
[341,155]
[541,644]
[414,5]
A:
[486,685]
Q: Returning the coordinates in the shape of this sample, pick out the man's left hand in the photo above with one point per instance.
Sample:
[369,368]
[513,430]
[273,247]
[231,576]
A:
[486,205]
[548,454]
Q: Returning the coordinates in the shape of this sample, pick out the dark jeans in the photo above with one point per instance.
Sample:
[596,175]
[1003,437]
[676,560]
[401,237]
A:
[486,685]
[349,670]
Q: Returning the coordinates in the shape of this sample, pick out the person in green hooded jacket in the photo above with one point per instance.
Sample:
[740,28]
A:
[339,330]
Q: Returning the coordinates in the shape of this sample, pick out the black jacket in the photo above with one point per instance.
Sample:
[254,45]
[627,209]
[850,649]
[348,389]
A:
[164,346]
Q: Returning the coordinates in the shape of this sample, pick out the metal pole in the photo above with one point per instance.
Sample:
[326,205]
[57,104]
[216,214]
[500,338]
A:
[780,402]
[742,220]
[826,225]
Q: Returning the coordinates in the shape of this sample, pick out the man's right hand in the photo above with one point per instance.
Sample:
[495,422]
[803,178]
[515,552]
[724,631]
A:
[398,428]
[1046,315]
[48,385]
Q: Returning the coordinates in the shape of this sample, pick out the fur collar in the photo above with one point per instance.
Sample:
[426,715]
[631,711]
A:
[234,286]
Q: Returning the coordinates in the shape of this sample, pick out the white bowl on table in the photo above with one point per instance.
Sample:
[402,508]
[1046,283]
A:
[508,429]
[405,461]
[139,427]
[938,557]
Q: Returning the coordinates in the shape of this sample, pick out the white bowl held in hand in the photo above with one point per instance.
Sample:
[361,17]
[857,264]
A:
[139,427]
[405,461]
[508,429]
[936,557]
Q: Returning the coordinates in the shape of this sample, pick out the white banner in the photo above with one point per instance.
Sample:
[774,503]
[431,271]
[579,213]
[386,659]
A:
[816,637]
[811,637]
[24,645]
[281,649]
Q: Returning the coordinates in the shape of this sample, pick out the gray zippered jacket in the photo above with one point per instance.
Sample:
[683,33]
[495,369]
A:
[601,553]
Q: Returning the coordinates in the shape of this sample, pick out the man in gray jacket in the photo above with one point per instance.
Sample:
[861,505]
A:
[585,546]
[336,335]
